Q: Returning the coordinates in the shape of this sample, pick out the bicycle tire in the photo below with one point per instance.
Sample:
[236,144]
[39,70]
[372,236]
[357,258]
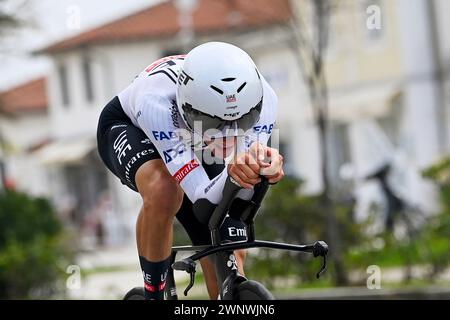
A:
[135,294]
[252,290]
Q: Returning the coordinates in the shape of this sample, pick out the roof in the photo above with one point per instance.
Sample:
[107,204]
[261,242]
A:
[31,96]
[160,21]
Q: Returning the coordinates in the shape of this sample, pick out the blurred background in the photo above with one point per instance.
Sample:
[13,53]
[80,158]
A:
[363,124]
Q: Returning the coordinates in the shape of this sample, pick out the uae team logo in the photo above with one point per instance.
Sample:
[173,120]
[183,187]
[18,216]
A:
[231,98]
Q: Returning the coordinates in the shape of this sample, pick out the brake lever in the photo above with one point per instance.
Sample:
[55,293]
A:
[189,266]
[323,268]
[191,283]
[320,248]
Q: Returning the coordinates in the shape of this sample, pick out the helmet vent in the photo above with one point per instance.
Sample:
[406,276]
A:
[228,79]
[217,89]
[241,87]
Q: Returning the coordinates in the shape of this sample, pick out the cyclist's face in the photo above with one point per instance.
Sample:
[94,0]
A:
[222,147]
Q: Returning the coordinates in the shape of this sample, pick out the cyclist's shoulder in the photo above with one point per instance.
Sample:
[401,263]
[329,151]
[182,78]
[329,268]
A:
[160,113]
[270,104]
[158,78]
[270,96]
[168,67]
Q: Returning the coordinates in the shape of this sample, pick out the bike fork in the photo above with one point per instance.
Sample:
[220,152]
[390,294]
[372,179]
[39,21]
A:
[227,274]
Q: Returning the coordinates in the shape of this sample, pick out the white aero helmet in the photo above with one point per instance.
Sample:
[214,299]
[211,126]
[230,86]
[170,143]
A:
[219,87]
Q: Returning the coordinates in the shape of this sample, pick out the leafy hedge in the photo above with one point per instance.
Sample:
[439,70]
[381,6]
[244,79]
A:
[31,247]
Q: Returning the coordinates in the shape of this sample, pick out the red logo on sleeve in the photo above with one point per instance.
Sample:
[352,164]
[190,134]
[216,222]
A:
[185,170]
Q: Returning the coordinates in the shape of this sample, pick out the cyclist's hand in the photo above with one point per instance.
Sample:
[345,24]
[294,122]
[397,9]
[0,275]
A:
[245,167]
[274,171]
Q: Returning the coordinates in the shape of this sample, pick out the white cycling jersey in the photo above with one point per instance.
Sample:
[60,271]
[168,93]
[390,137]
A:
[150,103]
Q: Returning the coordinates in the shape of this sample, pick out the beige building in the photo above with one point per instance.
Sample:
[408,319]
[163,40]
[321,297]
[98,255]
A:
[385,105]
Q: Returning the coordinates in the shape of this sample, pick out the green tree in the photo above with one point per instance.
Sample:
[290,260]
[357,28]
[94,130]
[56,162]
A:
[436,234]
[32,252]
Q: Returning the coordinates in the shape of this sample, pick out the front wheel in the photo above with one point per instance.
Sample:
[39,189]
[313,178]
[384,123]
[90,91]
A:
[252,290]
[135,294]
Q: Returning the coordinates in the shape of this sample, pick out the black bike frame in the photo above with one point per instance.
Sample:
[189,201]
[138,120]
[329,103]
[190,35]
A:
[222,253]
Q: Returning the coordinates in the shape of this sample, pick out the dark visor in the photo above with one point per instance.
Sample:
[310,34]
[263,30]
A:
[246,122]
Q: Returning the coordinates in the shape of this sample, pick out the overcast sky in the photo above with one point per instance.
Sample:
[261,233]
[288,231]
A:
[54,19]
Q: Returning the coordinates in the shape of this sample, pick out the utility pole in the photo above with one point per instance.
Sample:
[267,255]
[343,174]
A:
[185,19]
[310,51]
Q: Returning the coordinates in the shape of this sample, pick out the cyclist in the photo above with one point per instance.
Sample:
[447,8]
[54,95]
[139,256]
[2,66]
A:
[176,133]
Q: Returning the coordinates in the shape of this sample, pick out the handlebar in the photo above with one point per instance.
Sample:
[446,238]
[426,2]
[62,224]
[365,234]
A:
[260,191]
[230,191]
